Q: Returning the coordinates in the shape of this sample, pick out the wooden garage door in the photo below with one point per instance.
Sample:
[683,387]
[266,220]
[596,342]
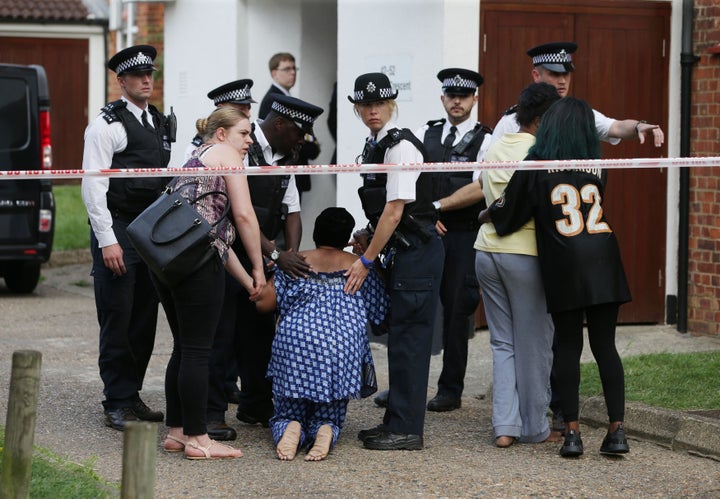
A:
[621,70]
[66,64]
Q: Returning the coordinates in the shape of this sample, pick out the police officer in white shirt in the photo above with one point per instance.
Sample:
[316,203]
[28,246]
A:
[128,133]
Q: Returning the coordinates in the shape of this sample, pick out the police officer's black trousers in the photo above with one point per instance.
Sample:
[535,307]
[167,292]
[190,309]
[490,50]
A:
[127,308]
[414,288]
[460,296]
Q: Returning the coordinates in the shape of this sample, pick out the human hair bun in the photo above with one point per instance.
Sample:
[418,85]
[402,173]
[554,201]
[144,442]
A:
[201,126]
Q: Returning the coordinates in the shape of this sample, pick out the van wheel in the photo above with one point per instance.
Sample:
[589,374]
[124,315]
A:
[22,277]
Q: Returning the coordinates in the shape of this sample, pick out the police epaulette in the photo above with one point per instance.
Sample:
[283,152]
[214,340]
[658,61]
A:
[484,128]
[197,141]
[511,110]
[441,122]
[109,113]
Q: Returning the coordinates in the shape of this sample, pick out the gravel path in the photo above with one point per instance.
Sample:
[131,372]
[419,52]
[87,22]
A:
[459,459]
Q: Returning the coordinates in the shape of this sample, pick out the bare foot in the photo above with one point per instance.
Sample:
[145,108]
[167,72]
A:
[321,448]
[288,444]
[504,441]
[194,449]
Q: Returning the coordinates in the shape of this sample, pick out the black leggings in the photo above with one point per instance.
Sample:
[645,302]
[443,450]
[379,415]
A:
[601,321]
[193,310]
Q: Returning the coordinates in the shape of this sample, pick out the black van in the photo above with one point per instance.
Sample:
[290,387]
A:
[27,207]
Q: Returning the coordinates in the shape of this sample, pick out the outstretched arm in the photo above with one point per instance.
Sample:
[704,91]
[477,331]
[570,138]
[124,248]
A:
[629,129]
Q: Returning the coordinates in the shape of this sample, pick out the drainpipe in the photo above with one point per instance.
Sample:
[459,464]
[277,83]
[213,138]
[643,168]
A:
[687,60]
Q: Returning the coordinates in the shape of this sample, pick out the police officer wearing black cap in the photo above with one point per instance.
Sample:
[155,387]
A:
[402,220]
[128,133]
[552,64]
[456,138]
[235,94]
[277,203]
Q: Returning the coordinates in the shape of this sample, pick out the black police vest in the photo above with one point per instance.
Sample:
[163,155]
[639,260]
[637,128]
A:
[448,182]
[145,149]
[267,193]
[373,193]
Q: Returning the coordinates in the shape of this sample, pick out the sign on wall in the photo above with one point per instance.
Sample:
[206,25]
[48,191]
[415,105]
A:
[398,68]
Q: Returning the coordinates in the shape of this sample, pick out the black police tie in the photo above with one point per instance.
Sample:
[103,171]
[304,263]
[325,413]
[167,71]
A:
[145,122]
[448,143]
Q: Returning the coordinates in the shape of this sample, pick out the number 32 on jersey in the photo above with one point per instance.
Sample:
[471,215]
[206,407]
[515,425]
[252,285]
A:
[571,200]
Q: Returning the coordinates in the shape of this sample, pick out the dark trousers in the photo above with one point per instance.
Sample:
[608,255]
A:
[460,296]
[222,357]
[193,310]
[127,308]
[247,335]
[414,288]
[601,321]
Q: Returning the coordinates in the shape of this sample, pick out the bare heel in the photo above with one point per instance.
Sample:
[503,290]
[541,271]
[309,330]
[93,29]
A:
[323,441]
[288,444]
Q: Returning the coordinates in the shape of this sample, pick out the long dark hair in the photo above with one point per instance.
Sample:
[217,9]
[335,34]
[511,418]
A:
[567,131]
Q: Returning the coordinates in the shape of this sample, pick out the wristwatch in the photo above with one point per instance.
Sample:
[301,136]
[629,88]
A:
[275,255]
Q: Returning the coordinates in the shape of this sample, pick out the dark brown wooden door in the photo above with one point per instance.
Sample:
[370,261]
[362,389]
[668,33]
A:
[621,70]
[66,64]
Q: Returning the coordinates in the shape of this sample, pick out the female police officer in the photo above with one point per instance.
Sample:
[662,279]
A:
[399,208]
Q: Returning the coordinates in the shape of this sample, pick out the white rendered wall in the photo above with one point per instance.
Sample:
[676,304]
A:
[211,42]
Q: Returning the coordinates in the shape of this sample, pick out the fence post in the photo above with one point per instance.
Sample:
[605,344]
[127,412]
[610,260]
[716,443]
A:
[138,467]
[20,424]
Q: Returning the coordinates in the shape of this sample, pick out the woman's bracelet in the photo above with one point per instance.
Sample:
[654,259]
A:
[369,264]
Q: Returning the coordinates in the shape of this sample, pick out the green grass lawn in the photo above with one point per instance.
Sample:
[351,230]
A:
[682,381]
[54,476]
[71,222]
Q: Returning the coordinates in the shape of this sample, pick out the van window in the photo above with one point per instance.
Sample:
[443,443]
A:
[14,115]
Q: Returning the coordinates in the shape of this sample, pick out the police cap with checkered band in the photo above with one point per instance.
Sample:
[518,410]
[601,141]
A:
[302,113]
[458,81]
[372,87]
[554,56]
[235,92]
[135,59]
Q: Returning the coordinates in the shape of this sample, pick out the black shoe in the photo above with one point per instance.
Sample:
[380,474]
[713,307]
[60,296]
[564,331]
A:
[145,413]
[218,430]
[371,432]
[381,399]
[233,395]
[615,442]
[116,418]
[558,422]
[444,403]
[252,417]
[393,441]
[573,446]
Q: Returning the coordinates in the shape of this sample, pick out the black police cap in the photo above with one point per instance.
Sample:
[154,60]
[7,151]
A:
[372,87]
[133,59]
[296,110]
[459,80]
[235,92]
[554,56]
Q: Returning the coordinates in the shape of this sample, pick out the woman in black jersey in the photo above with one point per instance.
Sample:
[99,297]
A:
[579,258]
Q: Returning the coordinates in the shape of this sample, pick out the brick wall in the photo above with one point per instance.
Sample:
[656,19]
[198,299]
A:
[704,251]
[149,19]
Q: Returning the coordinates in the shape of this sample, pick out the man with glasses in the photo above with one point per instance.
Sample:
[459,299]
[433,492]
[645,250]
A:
[284,73]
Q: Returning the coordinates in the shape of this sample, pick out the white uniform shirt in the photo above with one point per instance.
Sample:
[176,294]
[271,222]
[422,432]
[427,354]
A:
[508,124]
[102,141]
[400,185]
[292,196]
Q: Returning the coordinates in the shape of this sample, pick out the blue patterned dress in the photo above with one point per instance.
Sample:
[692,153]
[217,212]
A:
[320,348]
